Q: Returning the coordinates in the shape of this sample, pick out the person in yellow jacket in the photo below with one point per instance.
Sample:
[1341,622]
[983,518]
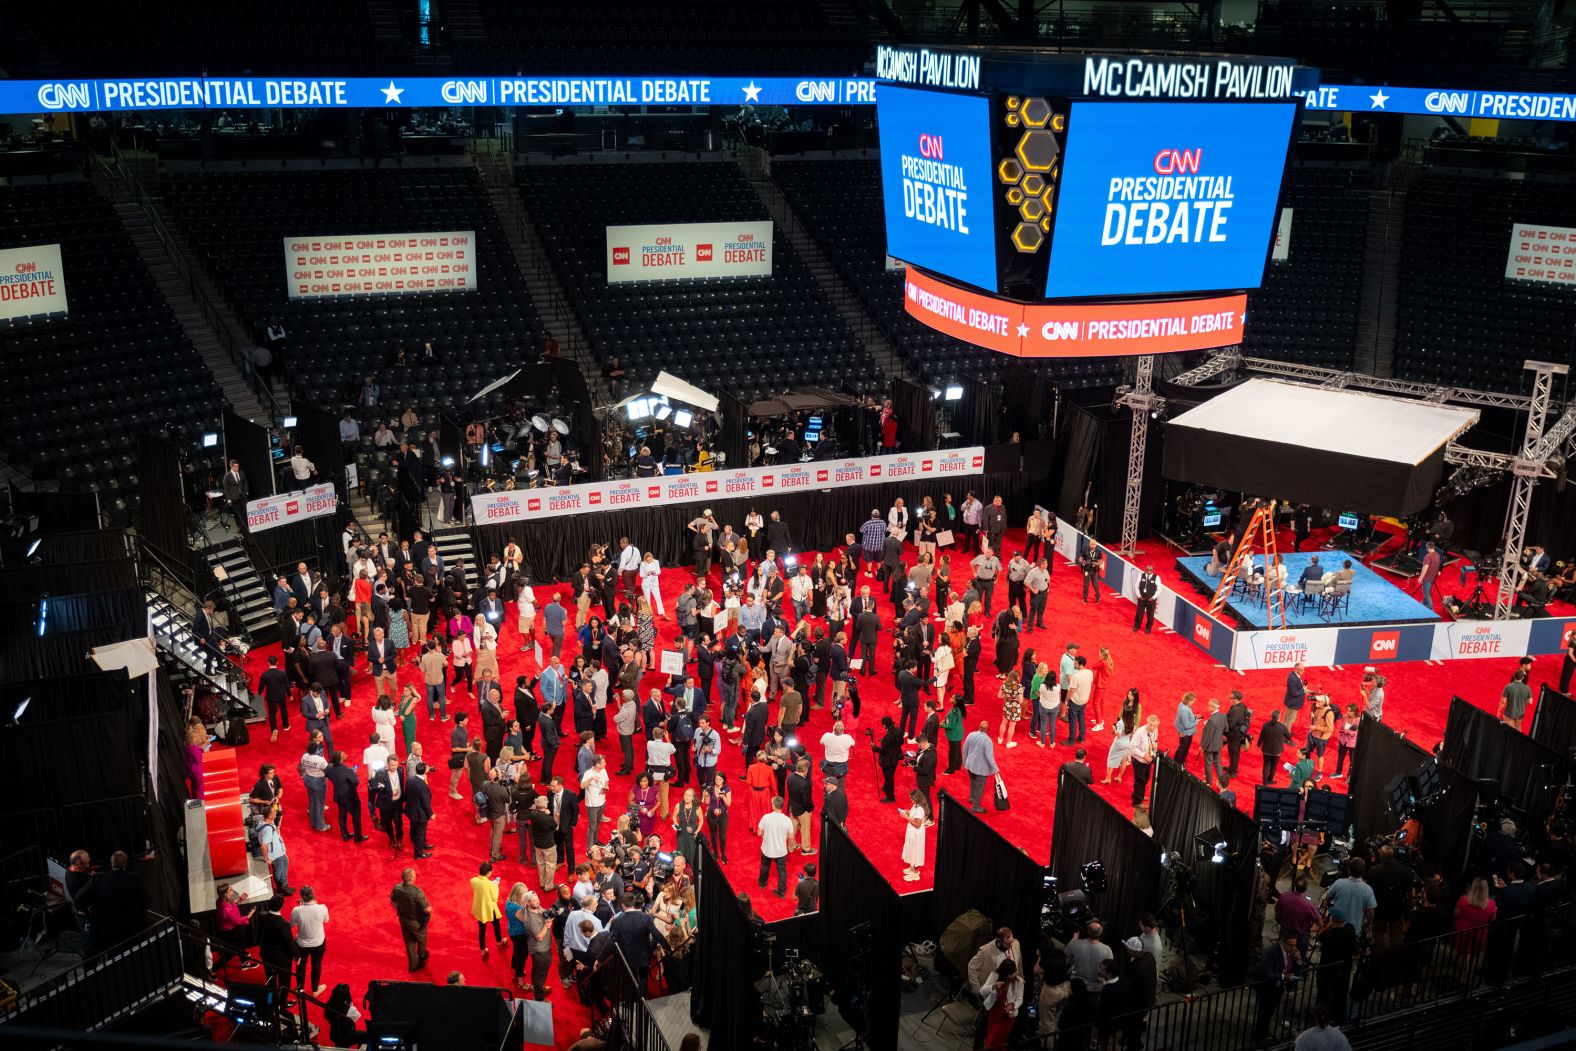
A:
[484,907]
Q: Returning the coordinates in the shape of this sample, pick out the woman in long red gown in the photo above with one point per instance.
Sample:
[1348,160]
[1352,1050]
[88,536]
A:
[761,781]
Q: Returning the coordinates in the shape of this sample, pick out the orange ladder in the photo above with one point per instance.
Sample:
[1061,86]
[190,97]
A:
[1261,527]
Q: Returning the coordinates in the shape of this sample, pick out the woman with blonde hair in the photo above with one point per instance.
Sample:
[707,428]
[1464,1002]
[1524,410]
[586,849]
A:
[514,910]
[1104,669]
[650,573]
[1011,708]
[646,631]
[1475,910]
[196,741]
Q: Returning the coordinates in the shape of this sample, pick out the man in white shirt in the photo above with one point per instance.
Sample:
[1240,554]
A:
[777,839]
[835,746]
[1078,685]
[574,940]
[801,588]
[593,788]
[375,755]
[308,919]
[1142,748]
[302,468]
[628,566]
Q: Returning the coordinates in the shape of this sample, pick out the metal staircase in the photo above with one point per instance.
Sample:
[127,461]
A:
[189,661]
[456,543]
[248,594]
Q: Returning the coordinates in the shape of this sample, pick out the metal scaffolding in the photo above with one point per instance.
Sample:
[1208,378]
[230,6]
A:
[1143,400]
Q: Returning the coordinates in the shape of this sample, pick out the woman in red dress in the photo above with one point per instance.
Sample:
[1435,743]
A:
[761,781]
[1002,994]
[1104,669]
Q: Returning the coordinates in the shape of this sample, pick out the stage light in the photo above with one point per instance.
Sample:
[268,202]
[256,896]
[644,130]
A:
[1219,854]
[663,412]
[638,409]
[43,614]
[486,454]
[954,393]
[790,561]
[1092,873]
[447,461]
[210,439]
[683,418]
[32,549]
[935,394]
[289,422]
[16,714]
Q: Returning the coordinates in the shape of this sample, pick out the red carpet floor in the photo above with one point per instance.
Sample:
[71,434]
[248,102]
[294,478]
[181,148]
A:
[354,880]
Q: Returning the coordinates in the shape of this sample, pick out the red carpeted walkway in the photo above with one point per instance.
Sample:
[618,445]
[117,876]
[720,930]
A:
[354,880]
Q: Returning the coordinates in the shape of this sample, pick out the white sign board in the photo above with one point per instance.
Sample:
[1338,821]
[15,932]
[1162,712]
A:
[269,512]
[1542,253]
[32,281]
[1282,250]
[674,251]
[381,264]
[523,505]
[672,662]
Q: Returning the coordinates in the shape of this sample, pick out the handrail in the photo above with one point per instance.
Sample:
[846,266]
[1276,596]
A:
[183,265]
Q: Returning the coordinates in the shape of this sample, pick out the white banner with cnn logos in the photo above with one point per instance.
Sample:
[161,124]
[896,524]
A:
[674,251]
[381,264]
[525,505]
[269,512]
[31,281]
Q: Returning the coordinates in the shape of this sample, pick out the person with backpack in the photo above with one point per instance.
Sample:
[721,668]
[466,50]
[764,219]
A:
[1239,718]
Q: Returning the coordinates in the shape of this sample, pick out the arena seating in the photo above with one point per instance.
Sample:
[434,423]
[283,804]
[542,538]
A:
[676,36]
[238,221]
[1308,308]
[744,335]
[311,37]
[1459,321]
[840,201]
[85,385]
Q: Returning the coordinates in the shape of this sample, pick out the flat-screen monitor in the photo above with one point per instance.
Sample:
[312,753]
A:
[1160,197]
[937,180]
[1347,520]
[811,437]
[1212,518]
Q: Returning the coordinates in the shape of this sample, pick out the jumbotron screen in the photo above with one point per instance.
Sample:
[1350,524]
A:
[936,180]
[1165,197]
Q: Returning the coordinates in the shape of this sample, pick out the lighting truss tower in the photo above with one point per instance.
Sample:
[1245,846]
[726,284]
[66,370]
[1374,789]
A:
[1527,468]
[1143,400]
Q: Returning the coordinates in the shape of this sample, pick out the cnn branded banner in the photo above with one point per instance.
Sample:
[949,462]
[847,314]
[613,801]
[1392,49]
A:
[31,281]
[284,508]
[1542,253]
[1054,330]
[525,505]
[1314,647]
[381,264]
[674,251]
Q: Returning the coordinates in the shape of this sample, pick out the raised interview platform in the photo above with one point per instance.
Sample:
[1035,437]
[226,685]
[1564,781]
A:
[1372,600]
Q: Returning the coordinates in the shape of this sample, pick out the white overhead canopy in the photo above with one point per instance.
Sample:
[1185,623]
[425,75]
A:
[1319,445]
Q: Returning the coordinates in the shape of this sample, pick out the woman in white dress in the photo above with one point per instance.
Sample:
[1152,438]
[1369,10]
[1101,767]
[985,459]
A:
[1126,723]
[527,608]
[914,835]
[651,582]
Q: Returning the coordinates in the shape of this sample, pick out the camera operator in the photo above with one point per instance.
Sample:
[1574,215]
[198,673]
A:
[889,752]
[1280,968]
[1392,883]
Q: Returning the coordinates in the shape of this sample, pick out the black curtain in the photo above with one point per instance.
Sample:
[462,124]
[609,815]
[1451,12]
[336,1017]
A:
[248,442]
[1029,401]
[317,432]
[59,512]
[1482,747]
[1087,828]
[1183,808]
[37,774]
[1084,438]
[73,578]
[162,525]
[65,613]
[723,997]
[733,441]
[1447,824]
[83,545]
[855,893]
[27,658]
[1381,756]
[916,415]
[978,416]
[66,696]
[1554,721]
[451,445]
[555,548]
[979,868]
[314,541]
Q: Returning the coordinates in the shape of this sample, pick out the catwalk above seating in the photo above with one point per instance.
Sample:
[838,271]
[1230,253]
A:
[85,385]
[748,335]
[238,221]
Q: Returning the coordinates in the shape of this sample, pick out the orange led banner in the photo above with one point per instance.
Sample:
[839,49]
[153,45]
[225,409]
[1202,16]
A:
[1055,330]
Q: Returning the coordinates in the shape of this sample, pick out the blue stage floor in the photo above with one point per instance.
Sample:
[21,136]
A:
[1374,599]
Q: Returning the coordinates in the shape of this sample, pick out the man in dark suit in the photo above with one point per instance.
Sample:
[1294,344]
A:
[491,607]
[754,728]
[552,734]
[564,805]
[634,932]
[971,662]
[889,752]
[118,903]
[325,672]
[274,685]
[925,771]
[867,630]
[418,810]
[834,802]
[1278,968]
[314,709]
[652,714]
[235,489]
[931,731]
[344,651]
[1078,768]
[347,796]
[203,626]
[908,686]
[302,584]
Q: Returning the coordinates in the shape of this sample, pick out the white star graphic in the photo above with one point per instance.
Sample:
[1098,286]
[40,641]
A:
[1023,330]
[1242,319]
[391,94]
[1378,99]
[752,93]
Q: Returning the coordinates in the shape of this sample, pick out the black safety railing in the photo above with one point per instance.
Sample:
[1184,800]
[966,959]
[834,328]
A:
[106,987]
[630,1006]
[1376,983]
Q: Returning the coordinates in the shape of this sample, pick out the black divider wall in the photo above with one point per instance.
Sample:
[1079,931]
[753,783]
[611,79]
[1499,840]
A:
[73,578]
[248,442]
[67,696]
[854,892]
[80,545]
[1480,746]
[59,512]
[1554,720]
[1183,808]
[25,659]
[54,614]
[554,548]
[1381,755]
[315,541]
[1087,828]
[317,432]
[978,868]
[723,997]
[162,523]
[1447,825]
[916,415]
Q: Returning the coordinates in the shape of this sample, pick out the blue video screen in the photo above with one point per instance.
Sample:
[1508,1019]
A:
[1160,197]
[936,179]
